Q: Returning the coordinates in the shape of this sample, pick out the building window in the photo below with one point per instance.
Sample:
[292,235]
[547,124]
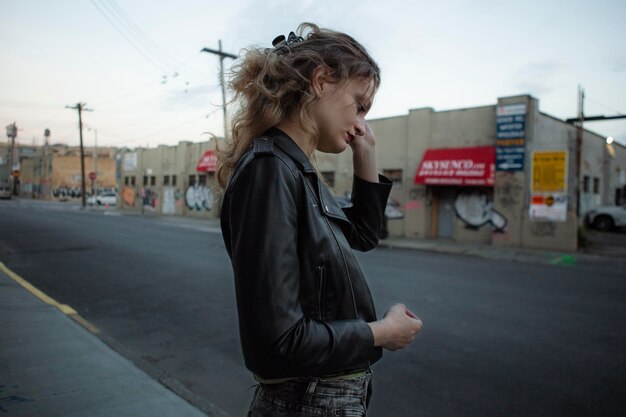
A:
[145,180]
[153,180]
[329,178]
[125,180]
[586,184]
[596,185]
[192,180]
[132,181]
[395,175]
[618,196]
[166,180]
[173,180]
[202,180]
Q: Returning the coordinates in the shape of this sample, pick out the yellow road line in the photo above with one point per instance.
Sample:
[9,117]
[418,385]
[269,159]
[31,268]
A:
[64,308]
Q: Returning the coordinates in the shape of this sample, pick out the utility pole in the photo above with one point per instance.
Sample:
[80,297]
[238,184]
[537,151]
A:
[222,56]
[11,134]
[81,107]
[579,145]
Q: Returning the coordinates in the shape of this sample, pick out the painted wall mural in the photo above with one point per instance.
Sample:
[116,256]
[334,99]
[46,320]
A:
[128,196]
[475,209]
[199,197]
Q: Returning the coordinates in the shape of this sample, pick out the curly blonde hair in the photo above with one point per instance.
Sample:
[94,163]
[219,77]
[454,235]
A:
[273,84]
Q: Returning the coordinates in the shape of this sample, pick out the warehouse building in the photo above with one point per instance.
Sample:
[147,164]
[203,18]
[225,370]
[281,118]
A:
[503,174]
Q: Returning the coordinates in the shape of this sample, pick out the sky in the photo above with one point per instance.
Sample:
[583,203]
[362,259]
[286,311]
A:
[137,64]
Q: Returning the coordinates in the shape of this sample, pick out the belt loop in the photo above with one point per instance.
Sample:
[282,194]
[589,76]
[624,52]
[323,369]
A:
[310,390]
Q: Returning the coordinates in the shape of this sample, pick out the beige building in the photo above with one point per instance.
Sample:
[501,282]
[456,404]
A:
[503,174]
[55,172]
[171,180]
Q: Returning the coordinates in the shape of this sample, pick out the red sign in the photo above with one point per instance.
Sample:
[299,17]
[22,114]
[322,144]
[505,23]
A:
[458,166]
[92,176]
[208,162]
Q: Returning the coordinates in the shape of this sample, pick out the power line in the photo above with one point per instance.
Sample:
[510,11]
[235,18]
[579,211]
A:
[141,35]
[618,113]
[141,42]
[128,40]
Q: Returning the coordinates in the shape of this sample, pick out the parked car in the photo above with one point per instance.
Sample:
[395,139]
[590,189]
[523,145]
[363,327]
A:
[5,189]
[607,217]
[107,198]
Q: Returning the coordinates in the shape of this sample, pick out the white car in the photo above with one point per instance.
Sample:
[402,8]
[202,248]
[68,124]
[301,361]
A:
[104,199]
[607,217]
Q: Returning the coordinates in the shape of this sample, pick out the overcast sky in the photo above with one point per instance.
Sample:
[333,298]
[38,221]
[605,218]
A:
[138,65]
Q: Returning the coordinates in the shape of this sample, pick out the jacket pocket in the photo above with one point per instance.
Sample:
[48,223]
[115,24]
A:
[321,291]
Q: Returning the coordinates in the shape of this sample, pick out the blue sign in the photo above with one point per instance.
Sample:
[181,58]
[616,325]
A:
[510,158]
[510,137]
[510,127]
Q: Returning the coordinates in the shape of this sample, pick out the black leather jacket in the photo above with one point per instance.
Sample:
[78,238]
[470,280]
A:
[302,298]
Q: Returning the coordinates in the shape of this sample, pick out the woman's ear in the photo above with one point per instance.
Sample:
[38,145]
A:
[320,82]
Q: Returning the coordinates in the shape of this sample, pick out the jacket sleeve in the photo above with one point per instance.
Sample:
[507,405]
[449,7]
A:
[367,211]
[262,238]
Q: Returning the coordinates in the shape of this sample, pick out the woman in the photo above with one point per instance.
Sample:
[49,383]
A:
[307,322]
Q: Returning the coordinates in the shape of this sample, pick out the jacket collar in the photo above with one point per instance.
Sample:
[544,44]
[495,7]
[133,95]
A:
[288,146]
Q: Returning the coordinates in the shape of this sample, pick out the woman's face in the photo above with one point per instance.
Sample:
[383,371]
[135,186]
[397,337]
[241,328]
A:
[340,112]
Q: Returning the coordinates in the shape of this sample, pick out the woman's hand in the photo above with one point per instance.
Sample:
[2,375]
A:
[397,329]
[364,153]
[364,137]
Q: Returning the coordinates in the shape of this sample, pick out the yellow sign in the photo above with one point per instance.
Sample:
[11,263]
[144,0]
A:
[549,172]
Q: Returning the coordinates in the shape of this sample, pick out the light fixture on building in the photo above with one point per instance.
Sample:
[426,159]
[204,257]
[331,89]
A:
[609,140]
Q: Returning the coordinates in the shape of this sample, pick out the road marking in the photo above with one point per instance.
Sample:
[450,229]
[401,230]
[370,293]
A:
[63,308]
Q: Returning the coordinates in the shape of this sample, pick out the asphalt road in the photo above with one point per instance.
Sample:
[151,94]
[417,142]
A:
[499,338]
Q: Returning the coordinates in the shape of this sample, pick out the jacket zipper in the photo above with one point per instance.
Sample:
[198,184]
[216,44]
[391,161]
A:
[322,283]
[343,258]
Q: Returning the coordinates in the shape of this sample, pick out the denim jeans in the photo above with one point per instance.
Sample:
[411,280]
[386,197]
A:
[305,397]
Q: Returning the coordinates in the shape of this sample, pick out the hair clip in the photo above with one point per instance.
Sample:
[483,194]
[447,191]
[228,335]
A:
[290,40]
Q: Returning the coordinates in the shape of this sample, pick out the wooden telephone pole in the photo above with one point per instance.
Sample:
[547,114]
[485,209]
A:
[222,55]
[81,107]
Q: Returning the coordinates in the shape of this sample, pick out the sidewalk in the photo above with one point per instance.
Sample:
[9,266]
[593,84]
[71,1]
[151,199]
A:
[50,366]
[515,254]
[535,256]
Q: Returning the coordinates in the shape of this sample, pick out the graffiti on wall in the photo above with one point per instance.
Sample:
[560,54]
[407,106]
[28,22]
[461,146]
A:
[543,229]
[171,200]
[475,209]
[509,191]
[128,196]
[199,197]
[64,192]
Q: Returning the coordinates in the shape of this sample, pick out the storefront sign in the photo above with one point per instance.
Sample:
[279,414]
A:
[548,207]
[457,166]
[549,172]
[549,186]
[510,137]
[208,162]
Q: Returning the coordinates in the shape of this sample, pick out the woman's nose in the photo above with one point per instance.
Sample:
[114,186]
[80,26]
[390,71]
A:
[359,126]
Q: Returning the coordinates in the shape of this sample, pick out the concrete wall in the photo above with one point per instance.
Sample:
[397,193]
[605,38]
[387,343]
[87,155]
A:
[193,194]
